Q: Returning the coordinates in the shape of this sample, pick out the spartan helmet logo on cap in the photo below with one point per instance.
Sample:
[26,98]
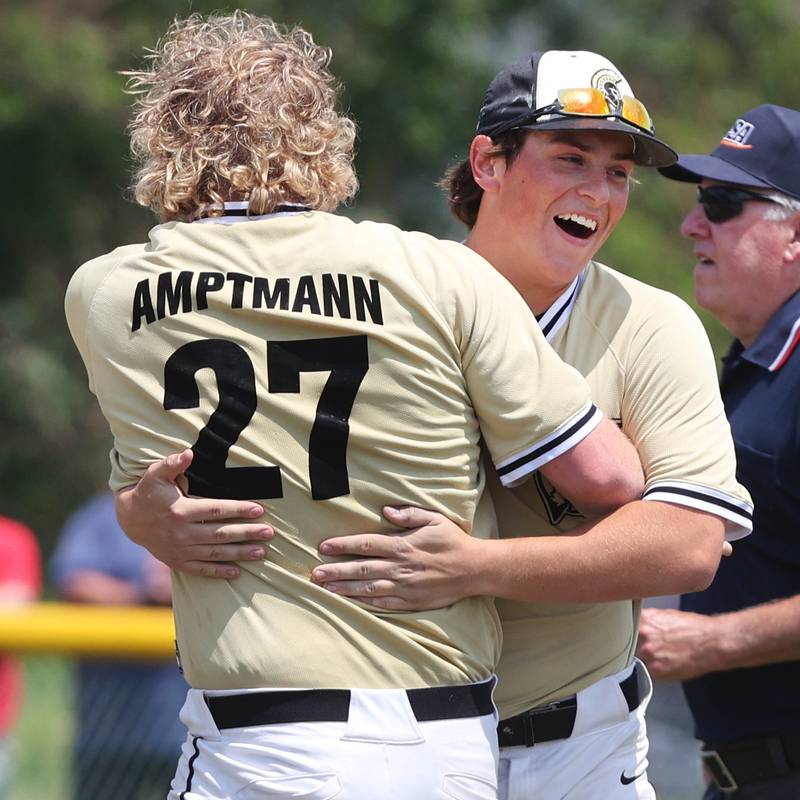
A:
[607,81]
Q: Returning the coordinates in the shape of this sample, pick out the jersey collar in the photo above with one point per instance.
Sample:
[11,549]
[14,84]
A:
[774,345]
[237,211]
[554,319]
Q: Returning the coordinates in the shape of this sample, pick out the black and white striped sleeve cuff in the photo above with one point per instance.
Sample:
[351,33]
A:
[737,513]
[516,469]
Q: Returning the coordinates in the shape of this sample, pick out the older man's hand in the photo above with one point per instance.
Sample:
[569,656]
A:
[677,645]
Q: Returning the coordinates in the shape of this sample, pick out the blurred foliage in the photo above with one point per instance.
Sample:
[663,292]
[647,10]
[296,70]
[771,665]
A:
[414,74]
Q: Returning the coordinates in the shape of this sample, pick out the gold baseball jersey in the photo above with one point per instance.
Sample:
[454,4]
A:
[650,368]
[324,368]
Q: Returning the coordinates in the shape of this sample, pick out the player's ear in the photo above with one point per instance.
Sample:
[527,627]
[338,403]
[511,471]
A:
[488,166]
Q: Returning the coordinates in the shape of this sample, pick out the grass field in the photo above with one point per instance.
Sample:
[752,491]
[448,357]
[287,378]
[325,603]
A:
[40,752]
[122,711]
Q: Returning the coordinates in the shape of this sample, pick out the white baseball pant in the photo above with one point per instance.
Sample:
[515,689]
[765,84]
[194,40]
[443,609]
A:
[605,757]
[421,744]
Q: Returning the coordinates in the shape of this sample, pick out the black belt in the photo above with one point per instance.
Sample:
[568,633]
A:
[554,721]
[333,705]
[736,764]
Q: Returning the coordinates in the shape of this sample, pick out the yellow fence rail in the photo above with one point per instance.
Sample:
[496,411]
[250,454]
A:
[125,632]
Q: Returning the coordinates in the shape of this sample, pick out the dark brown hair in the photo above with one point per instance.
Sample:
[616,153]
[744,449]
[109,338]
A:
[463,193]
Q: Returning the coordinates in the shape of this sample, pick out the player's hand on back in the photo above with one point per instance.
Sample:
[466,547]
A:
[189,534]
[427,565]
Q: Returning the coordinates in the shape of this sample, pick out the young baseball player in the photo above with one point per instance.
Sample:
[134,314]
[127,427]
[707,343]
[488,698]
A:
[319,366]
[545,184]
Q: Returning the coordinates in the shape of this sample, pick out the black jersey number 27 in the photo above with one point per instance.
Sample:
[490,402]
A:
[345,357]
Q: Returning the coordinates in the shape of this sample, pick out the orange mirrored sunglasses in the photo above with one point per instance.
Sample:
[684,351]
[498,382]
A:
[591,102]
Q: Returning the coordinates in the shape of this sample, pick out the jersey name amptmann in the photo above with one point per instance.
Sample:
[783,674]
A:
[342,296]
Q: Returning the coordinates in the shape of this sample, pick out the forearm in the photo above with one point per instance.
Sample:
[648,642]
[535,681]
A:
[763,634]
[644,549]
[681,645]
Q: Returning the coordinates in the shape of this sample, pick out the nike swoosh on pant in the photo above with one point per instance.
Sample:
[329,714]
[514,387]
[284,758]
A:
[625,780]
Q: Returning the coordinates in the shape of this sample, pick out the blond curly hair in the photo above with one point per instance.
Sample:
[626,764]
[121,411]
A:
[237,108]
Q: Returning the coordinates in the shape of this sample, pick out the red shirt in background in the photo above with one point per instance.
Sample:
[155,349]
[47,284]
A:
[20,582]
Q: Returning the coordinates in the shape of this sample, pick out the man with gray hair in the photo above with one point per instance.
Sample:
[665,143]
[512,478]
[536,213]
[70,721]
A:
[736,645]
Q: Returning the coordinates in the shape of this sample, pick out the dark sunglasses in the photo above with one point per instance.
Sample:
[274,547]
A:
[721,203]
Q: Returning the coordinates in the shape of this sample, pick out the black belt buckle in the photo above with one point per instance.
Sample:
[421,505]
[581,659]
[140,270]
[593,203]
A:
[719,771]
[556,720]
[541,712]
[553,721]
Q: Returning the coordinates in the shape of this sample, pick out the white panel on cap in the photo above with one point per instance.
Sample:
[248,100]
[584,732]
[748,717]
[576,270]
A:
[574,69]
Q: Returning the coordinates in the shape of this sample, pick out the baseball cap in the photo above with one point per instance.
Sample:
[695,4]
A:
[762,148]
[555,90]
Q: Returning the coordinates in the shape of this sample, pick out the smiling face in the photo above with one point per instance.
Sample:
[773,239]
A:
[746,266]
[545,215]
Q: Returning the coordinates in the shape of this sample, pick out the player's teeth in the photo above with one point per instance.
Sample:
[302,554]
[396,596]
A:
[587,223]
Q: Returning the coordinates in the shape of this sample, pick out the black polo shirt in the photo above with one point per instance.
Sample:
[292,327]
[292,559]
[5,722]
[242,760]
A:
[761,390]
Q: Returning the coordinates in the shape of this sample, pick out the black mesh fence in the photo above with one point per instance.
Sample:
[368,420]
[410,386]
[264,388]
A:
[91,729]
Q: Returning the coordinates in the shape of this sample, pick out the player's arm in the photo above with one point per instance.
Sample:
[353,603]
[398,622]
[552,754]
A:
[671,408]
[600,473]
[534,410]
[435,563]
[680,645]
[670,543]
[644,549]
[205,537]
[197,536]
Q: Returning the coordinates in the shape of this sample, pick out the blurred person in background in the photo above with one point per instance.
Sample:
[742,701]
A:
[736,645]
[20,582]
[128,733]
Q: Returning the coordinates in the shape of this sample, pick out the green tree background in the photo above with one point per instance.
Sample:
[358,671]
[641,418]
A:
[414,73]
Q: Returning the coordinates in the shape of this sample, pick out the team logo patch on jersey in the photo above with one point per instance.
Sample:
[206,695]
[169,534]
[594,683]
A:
[738,135]
[556,505]
[607,81]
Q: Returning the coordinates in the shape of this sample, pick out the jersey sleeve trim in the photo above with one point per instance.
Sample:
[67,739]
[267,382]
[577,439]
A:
[737,513]
[514,470]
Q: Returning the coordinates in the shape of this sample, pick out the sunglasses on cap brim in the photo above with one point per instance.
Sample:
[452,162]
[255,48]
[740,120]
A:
[721,203]
[593,102]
